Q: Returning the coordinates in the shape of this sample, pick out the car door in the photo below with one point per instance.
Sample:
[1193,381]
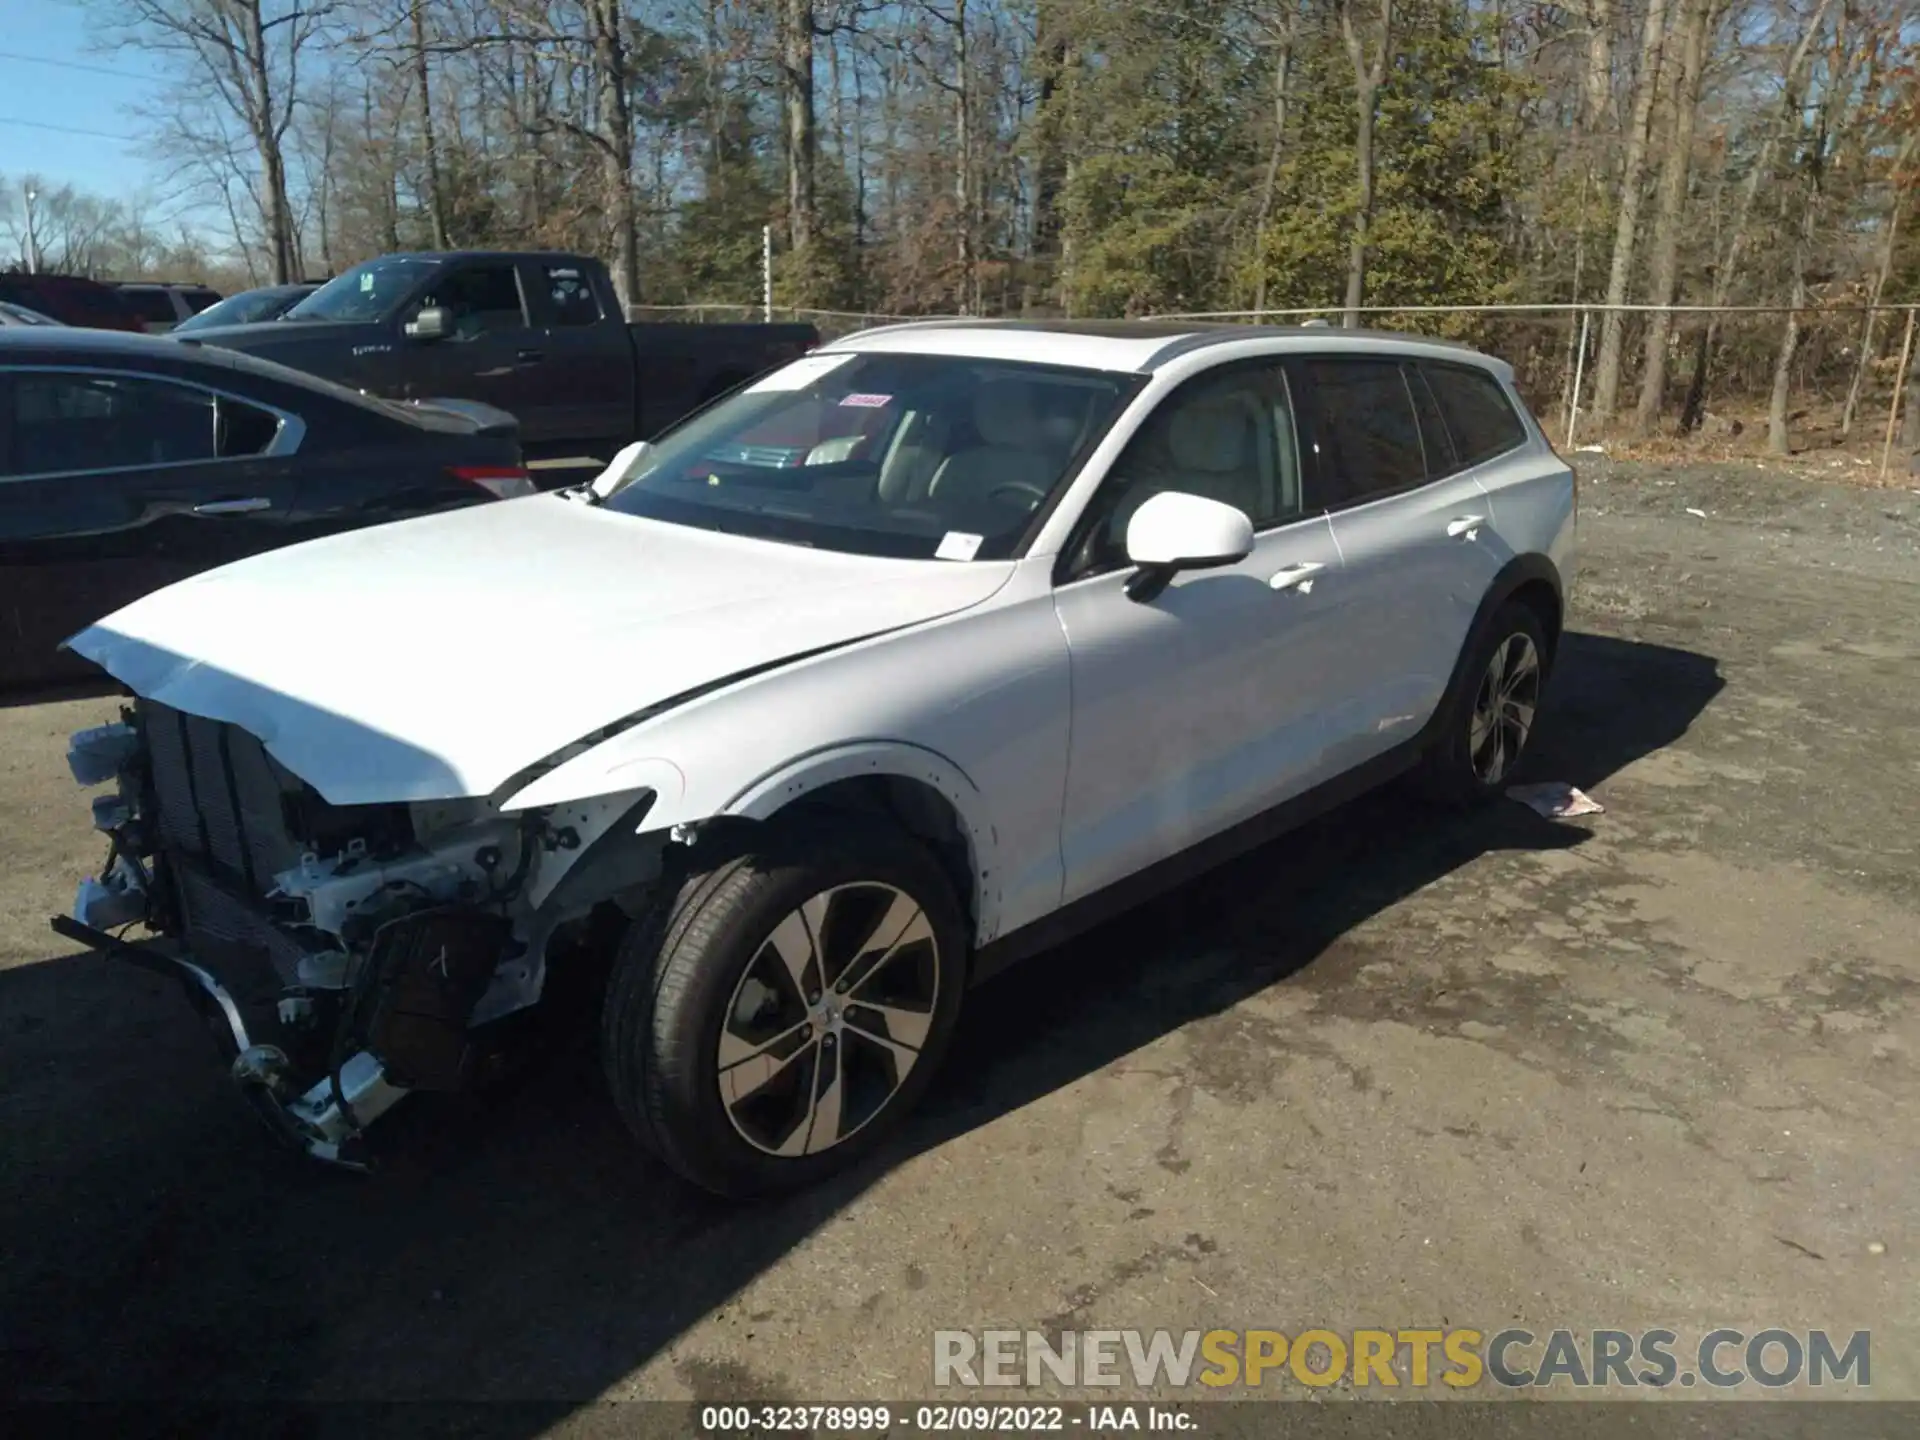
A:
[588,370]
[1528,487]
[492,351]
[1202,706]
[1415,538]
[113,485]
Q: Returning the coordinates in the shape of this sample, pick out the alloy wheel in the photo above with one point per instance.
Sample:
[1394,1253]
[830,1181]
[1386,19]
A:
[1503,709]
[828,1018]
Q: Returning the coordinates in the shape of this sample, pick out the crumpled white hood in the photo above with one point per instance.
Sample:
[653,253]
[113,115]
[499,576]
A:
[438,657]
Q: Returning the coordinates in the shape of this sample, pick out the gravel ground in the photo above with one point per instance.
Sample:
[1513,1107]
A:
[1657,1067]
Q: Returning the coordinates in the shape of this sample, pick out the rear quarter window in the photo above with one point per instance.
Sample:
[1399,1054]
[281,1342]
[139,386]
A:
[1478,413]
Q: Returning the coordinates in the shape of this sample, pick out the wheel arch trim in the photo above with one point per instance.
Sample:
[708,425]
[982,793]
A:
[775,791]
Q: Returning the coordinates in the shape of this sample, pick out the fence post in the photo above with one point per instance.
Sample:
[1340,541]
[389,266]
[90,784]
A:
[1899,389]
[1579,373]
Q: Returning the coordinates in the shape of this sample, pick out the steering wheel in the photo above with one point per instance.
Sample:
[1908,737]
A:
[1033,494]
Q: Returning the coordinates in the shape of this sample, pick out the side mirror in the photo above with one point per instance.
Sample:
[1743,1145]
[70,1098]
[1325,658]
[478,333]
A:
[434,322]
[629,462]
[1174,531]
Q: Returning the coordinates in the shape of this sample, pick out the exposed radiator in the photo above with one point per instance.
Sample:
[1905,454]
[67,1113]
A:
[222,821]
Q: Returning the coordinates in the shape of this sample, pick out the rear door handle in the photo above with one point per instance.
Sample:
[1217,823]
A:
[1467,525]
[530,357]
[234,507]
[1297,577]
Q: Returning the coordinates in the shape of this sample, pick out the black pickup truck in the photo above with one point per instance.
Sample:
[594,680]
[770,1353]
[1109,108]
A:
[537,334]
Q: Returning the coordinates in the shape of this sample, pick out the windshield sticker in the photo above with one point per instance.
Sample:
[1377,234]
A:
[868,402]
[800,374]
[958,545]
[366,283]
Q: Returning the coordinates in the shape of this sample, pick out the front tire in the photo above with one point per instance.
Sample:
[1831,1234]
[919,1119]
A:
[1488,720]
[787,1007]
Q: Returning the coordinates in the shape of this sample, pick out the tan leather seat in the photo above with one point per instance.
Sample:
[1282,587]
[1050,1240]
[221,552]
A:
[1015,451]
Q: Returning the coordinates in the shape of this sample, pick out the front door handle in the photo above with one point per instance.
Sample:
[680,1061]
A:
[1467,525]
[530,357]
[234,507]
[1297,577]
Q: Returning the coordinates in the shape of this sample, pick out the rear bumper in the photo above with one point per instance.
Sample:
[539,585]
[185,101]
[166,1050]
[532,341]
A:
[326,1120]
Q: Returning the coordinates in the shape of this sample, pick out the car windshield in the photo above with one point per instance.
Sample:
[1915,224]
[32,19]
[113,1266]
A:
[366,292]
[917,456]
[242,309]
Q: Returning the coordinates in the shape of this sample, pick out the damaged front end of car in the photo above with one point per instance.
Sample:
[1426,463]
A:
[344,955]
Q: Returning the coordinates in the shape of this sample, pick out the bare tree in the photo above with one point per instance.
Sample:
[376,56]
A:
[240,59]
[796,72]
[1697,20]
[1626,229]
[1368,75]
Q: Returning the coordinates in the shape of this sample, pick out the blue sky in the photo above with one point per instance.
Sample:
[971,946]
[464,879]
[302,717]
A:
[94,98]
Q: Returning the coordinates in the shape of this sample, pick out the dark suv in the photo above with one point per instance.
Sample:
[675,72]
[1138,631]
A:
[71,299]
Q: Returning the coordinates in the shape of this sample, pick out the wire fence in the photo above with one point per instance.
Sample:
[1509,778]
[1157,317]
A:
[1848,372]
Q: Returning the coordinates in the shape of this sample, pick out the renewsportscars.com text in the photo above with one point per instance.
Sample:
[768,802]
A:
[1456,1357]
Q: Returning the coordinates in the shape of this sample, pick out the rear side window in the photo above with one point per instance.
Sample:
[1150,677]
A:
[154,306]
[570,295]
[1478,413]
[76,422]
[199,298]
[1365,428]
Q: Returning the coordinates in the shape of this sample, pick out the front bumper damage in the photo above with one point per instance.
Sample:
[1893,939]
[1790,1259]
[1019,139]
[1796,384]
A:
[341,983]
[326,1121]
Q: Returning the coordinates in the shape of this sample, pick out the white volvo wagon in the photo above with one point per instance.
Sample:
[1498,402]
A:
[901,663]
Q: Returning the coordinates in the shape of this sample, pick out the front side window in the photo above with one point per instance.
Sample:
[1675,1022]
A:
[570,295]
[482,299]
[75,422]
[1226,437]
[916,456]
[1479,416]
[366,292]
[1365,427]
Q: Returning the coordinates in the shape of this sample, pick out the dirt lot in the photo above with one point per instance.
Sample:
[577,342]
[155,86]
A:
[1656,1068]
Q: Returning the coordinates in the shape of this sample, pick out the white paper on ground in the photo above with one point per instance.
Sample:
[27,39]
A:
[1556,800]
[799,374]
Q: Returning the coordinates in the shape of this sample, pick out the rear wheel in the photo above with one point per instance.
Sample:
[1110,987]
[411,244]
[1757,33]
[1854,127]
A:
[788,1007]
[1488,721]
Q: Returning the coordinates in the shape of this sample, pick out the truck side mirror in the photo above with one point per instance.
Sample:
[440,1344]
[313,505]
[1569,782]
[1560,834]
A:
[432,323]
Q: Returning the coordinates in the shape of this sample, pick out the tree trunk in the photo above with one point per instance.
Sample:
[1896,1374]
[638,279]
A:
[615,142]
[968,255]
[275,208]
[1606,376]
[436,205]
[1697,22]
[1597,84]
[1049,168]
[1367,78]
[1817,152]
[1282,74]
[796,56]
[1727,270]
[1888,245]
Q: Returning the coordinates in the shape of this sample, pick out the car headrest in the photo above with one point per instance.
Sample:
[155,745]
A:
[1004,415]
[1211,435]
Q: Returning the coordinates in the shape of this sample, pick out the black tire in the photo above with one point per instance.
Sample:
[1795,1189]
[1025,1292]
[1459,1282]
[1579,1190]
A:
[681,973]
[1451,773]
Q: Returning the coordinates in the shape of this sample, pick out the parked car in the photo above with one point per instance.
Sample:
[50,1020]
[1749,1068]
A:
[249,307]
[129,462]
[540,335]
[907,661]
[70,299]
[11,314]
[162,305]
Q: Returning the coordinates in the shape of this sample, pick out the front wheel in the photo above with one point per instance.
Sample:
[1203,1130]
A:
[787,1007]
[1487,722]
